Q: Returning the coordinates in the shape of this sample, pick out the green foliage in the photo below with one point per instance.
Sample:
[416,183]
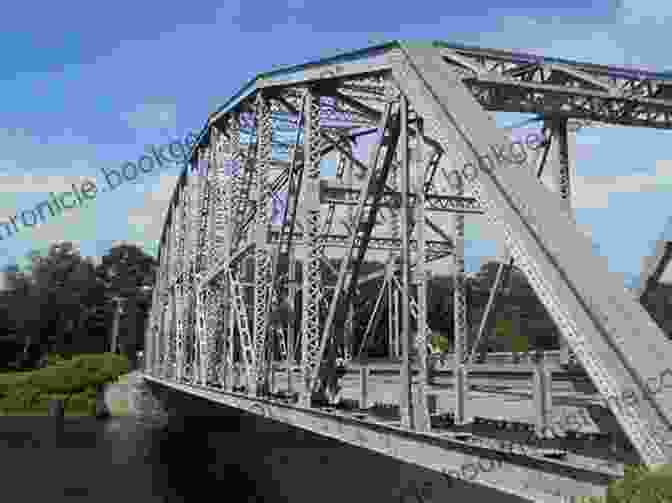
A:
[520,343]
[20,398]
[77,379]
[81,402]
[10,380]
[62,303]
[54,359]
[504,328]
[639,485]
[642,485]
[440,343]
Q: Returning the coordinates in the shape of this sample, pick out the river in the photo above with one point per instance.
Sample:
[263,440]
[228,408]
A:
[227,459]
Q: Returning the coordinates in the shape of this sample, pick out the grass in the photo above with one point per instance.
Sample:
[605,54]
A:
[37,413]
[119,408]
[73,380]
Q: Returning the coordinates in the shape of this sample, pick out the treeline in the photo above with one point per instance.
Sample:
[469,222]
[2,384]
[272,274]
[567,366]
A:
[658,302]
[520,316]
[64,303]
[521,322]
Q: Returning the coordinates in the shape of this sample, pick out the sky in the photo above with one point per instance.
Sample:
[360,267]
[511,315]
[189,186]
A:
[86,87]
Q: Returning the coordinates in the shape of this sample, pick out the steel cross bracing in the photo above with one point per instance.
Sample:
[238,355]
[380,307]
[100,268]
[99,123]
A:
[599,325]
[361,231]
[210,315]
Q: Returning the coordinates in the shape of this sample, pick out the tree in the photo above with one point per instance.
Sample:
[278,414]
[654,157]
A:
[66,289]
[128,272]
[63,302]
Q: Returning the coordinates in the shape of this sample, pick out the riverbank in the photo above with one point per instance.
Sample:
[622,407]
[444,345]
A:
[81,382]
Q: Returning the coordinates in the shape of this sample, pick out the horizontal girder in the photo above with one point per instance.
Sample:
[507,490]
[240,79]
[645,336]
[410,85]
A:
[338,194]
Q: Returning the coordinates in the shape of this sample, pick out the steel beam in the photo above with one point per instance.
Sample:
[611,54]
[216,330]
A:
[262,257]
[331,193]
[421,260]
[312,264]
[406,404]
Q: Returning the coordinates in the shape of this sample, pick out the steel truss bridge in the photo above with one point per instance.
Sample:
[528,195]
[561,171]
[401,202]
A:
[230,316]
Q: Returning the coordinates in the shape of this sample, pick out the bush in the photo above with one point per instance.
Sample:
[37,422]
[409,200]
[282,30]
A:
[55,359]
[91,391]
[642,484]
[20,398]
[41,403]
[440,343]
[10,380]
[79,373]
[59,379]
[80,402]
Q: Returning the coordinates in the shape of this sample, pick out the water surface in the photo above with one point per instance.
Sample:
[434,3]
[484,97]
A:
[226,459]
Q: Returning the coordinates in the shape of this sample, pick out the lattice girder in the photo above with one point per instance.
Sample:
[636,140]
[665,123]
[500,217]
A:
[597,317]
[310,326]
[262,257]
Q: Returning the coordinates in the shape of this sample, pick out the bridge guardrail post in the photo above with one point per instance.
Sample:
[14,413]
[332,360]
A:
[363,385]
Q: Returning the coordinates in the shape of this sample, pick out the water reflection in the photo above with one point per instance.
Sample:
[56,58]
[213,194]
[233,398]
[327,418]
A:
[236,459]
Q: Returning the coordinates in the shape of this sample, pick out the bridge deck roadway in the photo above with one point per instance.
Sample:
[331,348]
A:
[543,471]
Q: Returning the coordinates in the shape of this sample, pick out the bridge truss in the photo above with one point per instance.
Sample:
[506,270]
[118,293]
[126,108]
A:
[255,204]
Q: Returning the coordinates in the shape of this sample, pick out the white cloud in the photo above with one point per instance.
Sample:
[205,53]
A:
[594,191]
[152,116]
[634,11]
[150,216]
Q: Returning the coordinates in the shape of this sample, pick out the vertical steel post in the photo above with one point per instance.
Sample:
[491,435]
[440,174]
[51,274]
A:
[542,380]
[349,332]
[394,227]
[162,287]
[148,336]
[115,325]
[395,319]
[349,324]
[262,263]
[459,301]
[179,286]
[291,325]
[312,264]
[229,186]
[171,359]
[364,386]
[390,312]
[200,223]
[421,401]
[420,270]
[406,402]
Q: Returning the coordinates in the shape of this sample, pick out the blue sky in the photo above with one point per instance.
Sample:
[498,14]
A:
[87,86]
